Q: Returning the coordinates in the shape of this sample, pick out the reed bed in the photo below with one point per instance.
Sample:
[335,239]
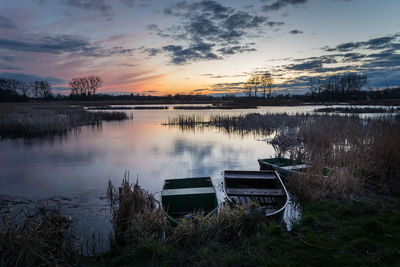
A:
[362,153]
[141,227]
[42,237]
[50,121]
[356,110]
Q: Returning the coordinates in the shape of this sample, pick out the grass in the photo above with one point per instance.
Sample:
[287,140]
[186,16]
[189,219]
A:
[358,110]
[330,233]
[361,152]
[39,237]
[30,120]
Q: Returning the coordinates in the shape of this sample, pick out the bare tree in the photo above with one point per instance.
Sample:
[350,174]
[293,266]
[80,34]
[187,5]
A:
[252,84]
[41,90]
[85,86]
[266,82]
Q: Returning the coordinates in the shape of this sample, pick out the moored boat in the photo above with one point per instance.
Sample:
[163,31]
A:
[283,166]
[263,187]
[185,196]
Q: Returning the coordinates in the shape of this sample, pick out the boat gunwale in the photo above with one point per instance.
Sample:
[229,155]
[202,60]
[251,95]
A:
[209,214]
[280,181]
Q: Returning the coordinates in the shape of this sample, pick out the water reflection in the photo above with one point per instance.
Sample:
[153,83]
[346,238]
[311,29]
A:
[81,163]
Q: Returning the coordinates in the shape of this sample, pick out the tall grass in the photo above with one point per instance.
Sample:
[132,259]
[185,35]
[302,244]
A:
[41,237]
[362,153]
[141,227]
[42,122]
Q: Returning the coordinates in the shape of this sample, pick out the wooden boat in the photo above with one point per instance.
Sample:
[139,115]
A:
[287,167]
[185,196]
[263,187]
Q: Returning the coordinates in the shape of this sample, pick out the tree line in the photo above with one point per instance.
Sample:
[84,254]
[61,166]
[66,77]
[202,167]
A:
[337,87]
[261,81]
[14,90]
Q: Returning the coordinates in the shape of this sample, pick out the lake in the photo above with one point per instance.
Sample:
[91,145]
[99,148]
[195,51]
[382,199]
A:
[73,170]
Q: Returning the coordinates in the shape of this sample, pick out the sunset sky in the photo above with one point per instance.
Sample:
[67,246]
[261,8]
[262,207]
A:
[208,47]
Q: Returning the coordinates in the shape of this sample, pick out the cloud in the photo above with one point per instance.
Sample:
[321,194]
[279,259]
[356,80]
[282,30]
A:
[6,23]
[25,77]
[150,51]
[223,29]
[372,44]
[8,67]
[91,5]
[282,3]
[275,23]
[63,43]
[180,55]
[294,32]
[56,44]
[235,49]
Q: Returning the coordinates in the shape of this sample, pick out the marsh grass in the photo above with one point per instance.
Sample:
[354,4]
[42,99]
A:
[361,153]
[42,237]
[329,232]
[358,110]
[29,122]
[141,227]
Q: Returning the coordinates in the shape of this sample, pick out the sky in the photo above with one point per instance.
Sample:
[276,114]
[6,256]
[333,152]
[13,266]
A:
[198,47]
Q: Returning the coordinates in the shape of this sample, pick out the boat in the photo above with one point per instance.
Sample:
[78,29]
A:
[185,196]
[263,187]
[287,167]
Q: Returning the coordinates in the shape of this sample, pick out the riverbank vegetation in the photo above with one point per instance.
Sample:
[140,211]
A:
[45,120]
[356,110]
[360,152]
[333,232]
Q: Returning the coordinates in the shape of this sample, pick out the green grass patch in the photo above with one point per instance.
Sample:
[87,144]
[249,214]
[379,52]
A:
[330,233]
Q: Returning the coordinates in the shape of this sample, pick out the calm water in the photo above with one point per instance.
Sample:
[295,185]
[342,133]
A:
[75,169]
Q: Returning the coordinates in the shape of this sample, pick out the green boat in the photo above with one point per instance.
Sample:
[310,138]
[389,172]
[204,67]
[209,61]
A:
[263,187]
[185,196]
[286,167]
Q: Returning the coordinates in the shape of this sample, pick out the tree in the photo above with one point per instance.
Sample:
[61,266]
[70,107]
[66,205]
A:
[41,90]
[85,86]
[266,82]
[252,84]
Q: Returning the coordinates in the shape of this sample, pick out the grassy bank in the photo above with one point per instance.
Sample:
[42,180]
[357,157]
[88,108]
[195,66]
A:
[43,120]
[330,232]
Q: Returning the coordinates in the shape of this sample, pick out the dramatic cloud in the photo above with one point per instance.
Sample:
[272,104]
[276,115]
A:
[282,3]
[218,30]
[181,55]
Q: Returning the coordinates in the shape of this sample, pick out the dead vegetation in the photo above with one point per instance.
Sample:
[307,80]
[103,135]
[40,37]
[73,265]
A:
[42,237]
[29,121]
[360,153]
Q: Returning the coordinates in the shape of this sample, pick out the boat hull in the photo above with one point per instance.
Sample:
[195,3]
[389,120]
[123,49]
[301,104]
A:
[185,196]
[262,187]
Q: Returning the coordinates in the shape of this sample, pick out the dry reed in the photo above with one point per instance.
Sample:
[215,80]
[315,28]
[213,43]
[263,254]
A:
[42,122]
[41,237]
[363,153]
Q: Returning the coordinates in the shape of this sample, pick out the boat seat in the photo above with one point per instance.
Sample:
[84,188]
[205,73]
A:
[255,192]
[295,167]
[187,191]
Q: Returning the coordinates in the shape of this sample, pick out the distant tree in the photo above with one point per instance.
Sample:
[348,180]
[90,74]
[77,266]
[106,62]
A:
[85,86]
[266,82]
[41,90]
[252,84]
